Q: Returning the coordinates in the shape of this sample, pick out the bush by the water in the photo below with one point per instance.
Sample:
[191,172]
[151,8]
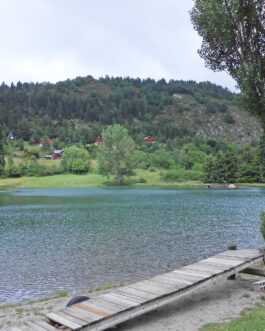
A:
[76,160]
[181,175]
[31,168]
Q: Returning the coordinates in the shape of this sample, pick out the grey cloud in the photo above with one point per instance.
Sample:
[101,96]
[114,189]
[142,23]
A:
[51,40]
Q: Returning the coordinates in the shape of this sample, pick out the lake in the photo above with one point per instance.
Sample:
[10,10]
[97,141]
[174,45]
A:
[75,239]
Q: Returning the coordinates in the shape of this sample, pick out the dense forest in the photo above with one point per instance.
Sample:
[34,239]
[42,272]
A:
[77,110]
[201,133]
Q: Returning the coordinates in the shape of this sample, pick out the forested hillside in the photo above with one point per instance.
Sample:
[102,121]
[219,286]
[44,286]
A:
[77,110]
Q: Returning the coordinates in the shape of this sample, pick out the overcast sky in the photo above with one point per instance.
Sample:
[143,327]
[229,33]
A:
[52,40]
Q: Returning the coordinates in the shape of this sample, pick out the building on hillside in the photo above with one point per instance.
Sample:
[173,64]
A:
[150,139]
[10,136]
[57,154]
[98,141]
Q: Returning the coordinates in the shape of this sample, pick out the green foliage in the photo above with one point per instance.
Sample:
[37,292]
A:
[78,110]
[30,168]
[75,160]
[162,159]
[262,224]
[2,156]
[248,173]
[233,34]
[181,175]
[115,154]
[221,169]
[229,119]
[141,160]
[250,320]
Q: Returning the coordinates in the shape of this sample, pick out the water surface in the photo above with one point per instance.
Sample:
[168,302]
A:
[81,238]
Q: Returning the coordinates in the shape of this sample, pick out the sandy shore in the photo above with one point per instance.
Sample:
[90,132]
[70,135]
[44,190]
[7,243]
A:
[220,302]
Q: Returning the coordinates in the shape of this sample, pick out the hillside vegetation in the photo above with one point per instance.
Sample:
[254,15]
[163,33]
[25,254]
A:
[77,110]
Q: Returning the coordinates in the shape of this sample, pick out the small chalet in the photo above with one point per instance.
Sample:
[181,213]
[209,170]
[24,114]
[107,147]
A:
[150,139]
[57,154]
[98,141]
[10,136]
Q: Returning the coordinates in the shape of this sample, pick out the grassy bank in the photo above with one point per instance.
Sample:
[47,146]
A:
[142,178]
[250,320]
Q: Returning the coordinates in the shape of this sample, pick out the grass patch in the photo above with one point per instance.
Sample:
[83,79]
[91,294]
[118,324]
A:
[59,294]
[250,320]
[148,179]
[4,307]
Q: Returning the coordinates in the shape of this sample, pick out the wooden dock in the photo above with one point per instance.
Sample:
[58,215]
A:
[127,302]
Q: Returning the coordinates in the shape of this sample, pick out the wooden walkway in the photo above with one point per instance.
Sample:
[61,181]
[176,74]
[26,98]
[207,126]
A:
[127,302]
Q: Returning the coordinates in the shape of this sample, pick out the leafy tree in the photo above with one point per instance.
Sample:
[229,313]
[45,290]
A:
[221,169]
[114,155]
[233,40]
[2,156]
[233,35]
[76,160]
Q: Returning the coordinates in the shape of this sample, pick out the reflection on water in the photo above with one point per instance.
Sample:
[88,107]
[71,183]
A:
[76,239]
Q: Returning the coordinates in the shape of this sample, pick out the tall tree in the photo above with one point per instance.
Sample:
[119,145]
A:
[2,156]
[114,155]
[233,40]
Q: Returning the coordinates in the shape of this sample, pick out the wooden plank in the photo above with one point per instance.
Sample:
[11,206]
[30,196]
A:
[63,321]
[188,276]
[64,314]
[136,292]
[103,306]
[223,262]
[202,268]
[111,305]
[123,301]
[81,314]
[242,253]
[163,283]
[177,278]
[129,297]
[171,281]
[216,269]
[232,257]
[149,289]
[95,312]
[45,325]
[157,286]
[116,305]
[194,273]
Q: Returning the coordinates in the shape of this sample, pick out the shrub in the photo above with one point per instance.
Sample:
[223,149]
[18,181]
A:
[181,175]
[76,160]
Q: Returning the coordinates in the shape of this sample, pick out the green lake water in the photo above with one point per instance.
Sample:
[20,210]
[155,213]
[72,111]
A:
[81,238]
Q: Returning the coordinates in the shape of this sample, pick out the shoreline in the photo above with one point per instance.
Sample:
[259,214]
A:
[222,302]
[97,181]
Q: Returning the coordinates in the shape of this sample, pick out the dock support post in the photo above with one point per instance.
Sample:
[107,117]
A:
[232,247]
